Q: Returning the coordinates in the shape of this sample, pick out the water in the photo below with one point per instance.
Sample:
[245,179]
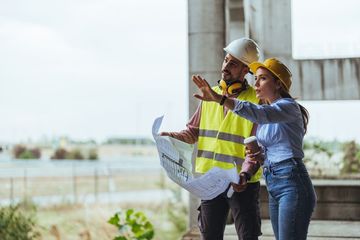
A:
[144,196]
[53,168]
[68,168]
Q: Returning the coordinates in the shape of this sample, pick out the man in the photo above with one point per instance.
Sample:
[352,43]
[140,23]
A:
[220,134]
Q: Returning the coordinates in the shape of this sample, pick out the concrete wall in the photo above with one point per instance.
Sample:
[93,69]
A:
[235,20]
[336,200]
[269,24]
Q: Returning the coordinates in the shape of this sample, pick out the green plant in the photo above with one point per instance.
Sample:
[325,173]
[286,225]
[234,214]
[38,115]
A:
[351,158]
[132,226]
[26,155]
[75,154]
[21,152]
[62,153]
[15,224]
[319,152]
[323,147]
[93,155]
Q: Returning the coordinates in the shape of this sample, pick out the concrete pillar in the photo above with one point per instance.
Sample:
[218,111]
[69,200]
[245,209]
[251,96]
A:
[235,20]
[206,41]
[269,24]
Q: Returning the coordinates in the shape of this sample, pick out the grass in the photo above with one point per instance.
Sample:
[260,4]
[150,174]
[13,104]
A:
[68,221]
[90,221]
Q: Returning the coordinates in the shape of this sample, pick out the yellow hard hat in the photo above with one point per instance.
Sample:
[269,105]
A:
[275,67]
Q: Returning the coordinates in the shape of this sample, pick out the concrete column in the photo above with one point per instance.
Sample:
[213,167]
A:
[206,42]
[235,20]
[269,24]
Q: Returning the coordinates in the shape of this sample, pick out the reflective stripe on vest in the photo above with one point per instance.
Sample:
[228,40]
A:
[221,138]
[220,157]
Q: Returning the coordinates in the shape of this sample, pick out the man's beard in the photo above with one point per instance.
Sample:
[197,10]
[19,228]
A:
[230,81]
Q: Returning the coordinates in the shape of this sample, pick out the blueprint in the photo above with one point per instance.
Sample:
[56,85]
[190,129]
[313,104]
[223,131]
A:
[175,158]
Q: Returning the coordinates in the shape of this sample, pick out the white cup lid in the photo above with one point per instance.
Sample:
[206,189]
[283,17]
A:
[250,139]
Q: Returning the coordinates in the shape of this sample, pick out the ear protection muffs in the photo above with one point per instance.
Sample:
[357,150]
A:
[232,88]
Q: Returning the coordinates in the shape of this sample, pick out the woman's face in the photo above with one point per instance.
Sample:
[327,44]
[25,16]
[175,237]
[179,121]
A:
[267,87]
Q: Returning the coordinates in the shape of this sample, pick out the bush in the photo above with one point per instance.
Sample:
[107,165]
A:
[75,154]
[132,226]
[21,152]
[351,158]
[16,225]
[93,155]
[60,153]
[17,150]
[36,152]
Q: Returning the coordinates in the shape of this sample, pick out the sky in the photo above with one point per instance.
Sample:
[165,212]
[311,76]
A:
[93,69]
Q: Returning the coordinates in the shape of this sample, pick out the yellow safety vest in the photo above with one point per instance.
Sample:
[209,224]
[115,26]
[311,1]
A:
[221,139]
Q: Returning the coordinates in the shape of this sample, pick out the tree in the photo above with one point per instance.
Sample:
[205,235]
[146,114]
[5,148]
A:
[93,155]
[21,152]
[18,150]
[60,153]
[75,154]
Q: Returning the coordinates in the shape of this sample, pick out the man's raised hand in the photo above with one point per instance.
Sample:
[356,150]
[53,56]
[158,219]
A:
[207,93]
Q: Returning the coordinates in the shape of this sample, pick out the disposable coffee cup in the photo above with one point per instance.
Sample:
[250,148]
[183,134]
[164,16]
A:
[252,144]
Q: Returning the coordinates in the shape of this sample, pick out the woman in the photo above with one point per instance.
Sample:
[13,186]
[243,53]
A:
[281,128]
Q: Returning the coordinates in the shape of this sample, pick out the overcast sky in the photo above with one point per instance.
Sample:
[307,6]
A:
[103,68]
[91,69]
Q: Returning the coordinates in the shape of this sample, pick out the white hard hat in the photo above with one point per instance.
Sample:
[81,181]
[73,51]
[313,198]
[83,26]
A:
[244,49]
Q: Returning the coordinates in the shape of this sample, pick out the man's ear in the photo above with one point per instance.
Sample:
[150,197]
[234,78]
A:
[246,70]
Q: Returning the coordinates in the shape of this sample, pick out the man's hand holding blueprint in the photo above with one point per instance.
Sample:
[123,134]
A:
[175,158]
